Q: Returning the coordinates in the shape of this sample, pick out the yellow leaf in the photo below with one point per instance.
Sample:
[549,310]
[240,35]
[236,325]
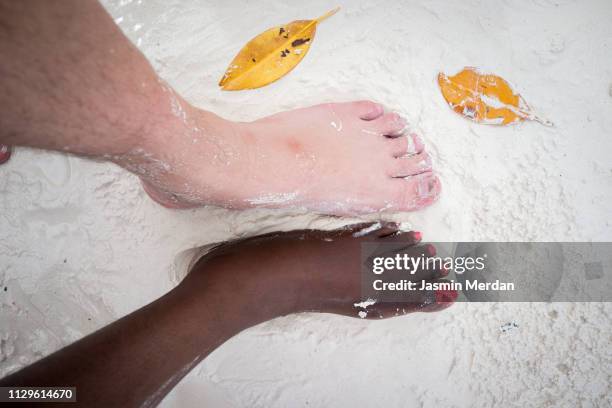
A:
[485,98]
[271,55]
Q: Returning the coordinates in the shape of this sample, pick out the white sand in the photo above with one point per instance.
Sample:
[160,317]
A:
[81,245]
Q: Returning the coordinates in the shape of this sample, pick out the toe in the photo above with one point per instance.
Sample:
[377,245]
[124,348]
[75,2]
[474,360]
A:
[366,110]
[5,153]
[390,124]
[410,166]
[415,144]
[405,146]
[430,268]
[444,298]
[415,192]
[398,146]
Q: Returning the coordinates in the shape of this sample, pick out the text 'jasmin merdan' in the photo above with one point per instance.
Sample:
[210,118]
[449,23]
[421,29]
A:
[406,285]
[411,264]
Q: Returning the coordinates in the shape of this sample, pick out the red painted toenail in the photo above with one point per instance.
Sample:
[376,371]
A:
[5,153]
[446,296]
[417,235]
[430,249]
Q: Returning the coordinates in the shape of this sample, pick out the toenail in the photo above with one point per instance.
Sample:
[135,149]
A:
[418,140]
[432,185]
[397,119]
[444,296]
[5,153]
[411,149]
[402,123]
[426,163]
[376,110]
[426,185]
[415,144]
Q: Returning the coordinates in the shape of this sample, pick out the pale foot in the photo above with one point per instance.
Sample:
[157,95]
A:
[336,158]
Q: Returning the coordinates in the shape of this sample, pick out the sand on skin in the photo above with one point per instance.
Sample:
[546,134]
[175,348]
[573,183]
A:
[82,245]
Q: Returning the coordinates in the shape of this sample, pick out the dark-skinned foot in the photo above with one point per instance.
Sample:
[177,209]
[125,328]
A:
[316,271]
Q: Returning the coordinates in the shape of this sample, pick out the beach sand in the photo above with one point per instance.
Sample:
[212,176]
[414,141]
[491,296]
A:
[81,244]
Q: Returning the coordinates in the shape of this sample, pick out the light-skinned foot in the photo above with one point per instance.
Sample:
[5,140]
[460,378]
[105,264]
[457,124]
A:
[336,158]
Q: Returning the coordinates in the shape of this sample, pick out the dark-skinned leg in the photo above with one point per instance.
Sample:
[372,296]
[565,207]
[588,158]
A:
[138,359]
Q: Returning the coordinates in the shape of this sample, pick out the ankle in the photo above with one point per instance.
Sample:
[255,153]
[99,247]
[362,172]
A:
[181,161]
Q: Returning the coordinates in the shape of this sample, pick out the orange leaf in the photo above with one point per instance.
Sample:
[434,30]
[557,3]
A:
[485,98]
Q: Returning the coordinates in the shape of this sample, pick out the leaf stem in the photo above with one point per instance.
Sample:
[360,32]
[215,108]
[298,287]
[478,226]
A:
[327,15]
